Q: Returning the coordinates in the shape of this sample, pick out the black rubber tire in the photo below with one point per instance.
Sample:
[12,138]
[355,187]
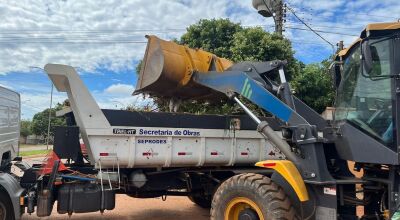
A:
[6,207]
[203,202]
[270,198]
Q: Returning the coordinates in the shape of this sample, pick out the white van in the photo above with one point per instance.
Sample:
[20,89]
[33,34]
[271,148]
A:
[9,125]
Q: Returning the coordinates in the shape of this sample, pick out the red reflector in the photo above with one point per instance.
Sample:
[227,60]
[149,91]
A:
[103,154]
[214,153]
[181,153]
[244,153]
[146,154]
[269,164]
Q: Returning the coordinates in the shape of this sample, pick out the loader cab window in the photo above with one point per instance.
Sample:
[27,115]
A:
[364,99]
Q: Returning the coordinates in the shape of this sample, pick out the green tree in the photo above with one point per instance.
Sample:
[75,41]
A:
[229,40]
[255,44]
[25,128]
[215,36]
[314,86]
[40,121]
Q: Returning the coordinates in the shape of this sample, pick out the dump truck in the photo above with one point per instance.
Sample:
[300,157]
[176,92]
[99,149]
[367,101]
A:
[292,165]
[141,154]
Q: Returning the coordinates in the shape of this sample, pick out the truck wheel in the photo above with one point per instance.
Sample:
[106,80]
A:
[6,208]
[203,202]
[251,197]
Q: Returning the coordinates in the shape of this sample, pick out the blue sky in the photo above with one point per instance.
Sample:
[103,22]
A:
[104,40]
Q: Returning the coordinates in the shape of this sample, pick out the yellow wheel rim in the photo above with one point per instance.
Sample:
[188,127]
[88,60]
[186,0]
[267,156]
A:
[238,204]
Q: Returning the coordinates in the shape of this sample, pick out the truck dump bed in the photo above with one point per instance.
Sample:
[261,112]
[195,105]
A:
[159,139]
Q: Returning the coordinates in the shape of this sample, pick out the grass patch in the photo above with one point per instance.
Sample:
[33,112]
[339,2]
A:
[33,153]
[34,145]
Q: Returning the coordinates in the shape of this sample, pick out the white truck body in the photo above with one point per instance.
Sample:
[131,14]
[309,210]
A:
[135,146]
[9,124]
[173,147]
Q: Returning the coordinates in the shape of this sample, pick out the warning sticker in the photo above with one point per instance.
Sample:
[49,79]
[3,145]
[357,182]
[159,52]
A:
[330,191]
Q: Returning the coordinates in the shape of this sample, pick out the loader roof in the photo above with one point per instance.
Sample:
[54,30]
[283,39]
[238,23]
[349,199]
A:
[372,30]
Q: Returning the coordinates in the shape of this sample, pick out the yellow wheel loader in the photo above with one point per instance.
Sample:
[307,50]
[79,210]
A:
[315,179]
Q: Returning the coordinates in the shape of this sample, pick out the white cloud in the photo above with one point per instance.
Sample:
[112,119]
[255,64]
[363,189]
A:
[119,98]
[110,35]
[53,26]
[119,88]
[34,103]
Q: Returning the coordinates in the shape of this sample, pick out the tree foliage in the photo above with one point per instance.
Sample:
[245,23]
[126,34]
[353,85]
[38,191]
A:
[215,36]
[255,44]
[40,121]
[314,86]
[229,40]
[25,128]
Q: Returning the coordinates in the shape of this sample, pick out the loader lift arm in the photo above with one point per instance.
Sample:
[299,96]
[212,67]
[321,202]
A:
[304,136]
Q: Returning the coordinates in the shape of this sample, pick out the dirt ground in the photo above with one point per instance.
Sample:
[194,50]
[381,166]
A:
[174,208]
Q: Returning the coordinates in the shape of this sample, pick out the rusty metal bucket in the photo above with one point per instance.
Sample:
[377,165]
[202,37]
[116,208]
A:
[167,70]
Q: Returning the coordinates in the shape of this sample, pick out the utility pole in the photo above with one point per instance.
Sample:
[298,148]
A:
[340,45]
[48,125]
[280,16]
[272,8]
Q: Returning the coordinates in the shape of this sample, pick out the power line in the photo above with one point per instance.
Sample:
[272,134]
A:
[344,25]
[327,26]
[322,31]
[352,13]
[72,42]
[89,31]
[315,32]
[306,42]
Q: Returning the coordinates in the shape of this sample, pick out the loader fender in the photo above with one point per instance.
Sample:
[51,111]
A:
[290,173]
[10,186]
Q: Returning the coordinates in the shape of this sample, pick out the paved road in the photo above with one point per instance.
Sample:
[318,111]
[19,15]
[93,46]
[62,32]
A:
[175,208]
[34,147]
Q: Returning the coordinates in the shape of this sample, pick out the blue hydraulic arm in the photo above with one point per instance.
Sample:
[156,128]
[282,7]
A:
[304,136]
[232,83]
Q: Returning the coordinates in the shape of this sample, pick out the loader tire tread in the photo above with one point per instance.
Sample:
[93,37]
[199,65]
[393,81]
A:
[272,200]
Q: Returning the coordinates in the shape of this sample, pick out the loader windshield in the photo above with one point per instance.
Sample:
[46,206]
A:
[364,99]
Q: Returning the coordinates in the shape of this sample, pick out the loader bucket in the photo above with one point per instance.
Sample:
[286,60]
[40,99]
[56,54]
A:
[167,70]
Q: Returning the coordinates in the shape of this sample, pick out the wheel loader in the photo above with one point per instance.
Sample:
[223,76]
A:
[345,168]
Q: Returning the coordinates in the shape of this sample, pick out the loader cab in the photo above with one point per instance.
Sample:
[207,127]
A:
[365,75]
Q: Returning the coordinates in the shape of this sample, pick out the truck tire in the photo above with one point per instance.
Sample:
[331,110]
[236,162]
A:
[203,202]
[251,196]
[6,208]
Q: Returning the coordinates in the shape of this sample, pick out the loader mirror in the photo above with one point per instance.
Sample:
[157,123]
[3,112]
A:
[376,58]
[367,57]
[334,70]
